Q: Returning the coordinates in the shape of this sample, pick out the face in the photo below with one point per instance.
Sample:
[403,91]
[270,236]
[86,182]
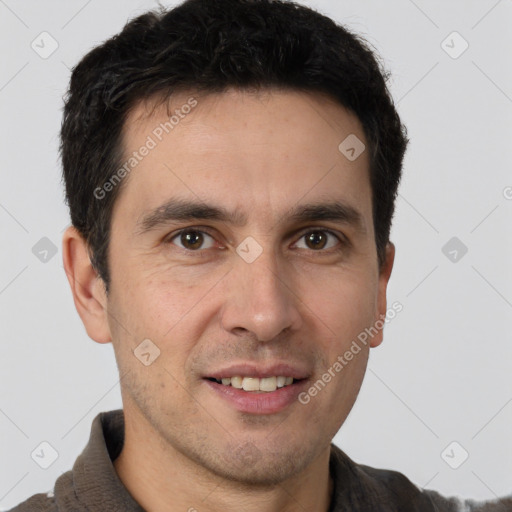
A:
[243,246]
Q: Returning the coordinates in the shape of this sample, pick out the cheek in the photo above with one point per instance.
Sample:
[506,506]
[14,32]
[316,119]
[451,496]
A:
[152,309]
[162,305]
[346,306]
[344,301]
[156,287]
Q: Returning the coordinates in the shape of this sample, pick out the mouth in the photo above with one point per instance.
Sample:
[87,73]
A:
[258,388]
[256,384]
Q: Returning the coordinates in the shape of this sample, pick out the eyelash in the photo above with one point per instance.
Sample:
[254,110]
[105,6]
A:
[343,242]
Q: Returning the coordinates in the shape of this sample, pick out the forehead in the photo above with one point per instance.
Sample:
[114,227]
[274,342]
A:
[249,151]
[263,112]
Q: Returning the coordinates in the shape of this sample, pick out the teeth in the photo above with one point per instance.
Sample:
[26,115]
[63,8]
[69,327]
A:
[268,384]
[255,384]
[236,382]
[251,384]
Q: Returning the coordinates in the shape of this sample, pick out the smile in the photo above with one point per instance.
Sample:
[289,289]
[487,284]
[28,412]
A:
[266,384]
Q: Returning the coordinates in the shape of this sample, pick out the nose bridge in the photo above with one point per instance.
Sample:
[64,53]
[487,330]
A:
[264,280]
[260,299]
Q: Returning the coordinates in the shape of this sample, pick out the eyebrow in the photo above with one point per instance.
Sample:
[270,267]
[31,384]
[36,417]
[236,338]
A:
[180,210]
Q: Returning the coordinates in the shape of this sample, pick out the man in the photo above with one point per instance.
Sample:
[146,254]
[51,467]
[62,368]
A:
[231,169]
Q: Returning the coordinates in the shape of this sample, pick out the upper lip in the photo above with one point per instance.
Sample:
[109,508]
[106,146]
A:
[260,371]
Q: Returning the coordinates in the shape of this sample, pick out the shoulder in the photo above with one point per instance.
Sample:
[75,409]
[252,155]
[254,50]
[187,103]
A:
[37,503]
[62,498]
[383,490]
[396,488]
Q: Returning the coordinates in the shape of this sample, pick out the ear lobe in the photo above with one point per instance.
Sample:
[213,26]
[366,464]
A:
[87,288]
[384,275]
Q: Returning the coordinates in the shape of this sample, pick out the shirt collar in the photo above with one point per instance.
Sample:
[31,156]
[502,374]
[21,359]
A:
[96,483]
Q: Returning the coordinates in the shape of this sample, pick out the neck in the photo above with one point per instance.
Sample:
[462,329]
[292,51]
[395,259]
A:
[160,478]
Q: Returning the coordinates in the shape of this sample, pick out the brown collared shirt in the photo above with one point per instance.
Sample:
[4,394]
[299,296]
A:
[93,485]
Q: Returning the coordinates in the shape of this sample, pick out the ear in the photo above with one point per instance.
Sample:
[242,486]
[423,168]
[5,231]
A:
[87,287]
[384,275]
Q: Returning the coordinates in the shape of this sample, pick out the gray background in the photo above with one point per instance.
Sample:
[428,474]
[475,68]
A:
[443,372]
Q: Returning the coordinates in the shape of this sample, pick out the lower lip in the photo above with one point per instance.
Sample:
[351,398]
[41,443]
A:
[268,402]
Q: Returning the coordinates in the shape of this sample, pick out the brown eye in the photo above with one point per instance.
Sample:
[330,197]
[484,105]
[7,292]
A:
[193,240]
[317,240]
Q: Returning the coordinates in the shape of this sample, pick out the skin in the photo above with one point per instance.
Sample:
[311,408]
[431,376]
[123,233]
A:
[261,154]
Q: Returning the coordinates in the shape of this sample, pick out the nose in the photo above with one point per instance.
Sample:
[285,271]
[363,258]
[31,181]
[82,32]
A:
[260,300]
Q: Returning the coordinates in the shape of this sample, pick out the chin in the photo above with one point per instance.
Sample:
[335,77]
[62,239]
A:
[266,474]
[261,465]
